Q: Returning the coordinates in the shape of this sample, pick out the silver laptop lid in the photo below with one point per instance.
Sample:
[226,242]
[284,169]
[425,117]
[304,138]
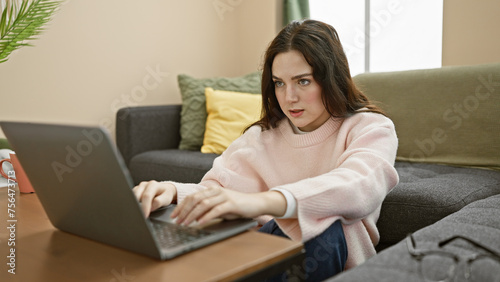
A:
[82,183]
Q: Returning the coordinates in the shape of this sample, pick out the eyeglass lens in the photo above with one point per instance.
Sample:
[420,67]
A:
[435,267]
[438,267]
[484,269]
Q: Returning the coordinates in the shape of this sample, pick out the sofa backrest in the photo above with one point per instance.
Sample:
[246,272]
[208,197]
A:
[449,115]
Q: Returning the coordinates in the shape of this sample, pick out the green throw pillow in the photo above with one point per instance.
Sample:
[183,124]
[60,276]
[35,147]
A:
[194,112]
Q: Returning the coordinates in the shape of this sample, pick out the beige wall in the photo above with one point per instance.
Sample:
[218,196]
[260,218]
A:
[97,56]
[471,32]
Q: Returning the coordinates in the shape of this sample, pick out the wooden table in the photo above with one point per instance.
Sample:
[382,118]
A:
[43,253]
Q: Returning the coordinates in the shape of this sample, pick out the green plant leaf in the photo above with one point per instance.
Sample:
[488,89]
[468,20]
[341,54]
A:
[19,25]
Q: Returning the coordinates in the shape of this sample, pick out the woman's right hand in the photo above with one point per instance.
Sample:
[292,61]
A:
[153,195]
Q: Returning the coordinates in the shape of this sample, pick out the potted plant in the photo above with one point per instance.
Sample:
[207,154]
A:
[21,21]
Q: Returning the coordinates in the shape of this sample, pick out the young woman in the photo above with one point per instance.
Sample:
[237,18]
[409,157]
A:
[315,168]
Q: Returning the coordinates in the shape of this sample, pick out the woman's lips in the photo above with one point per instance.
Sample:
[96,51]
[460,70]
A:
[296,113]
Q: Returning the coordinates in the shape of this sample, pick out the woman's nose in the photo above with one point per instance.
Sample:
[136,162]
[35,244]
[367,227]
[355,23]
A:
[291,94]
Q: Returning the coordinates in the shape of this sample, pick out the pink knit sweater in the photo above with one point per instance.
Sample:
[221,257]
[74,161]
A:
[342,170]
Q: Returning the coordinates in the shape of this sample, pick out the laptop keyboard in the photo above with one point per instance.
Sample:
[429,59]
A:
[171,234]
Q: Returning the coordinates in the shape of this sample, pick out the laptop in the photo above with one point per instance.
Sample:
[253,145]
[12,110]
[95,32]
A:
[85,188]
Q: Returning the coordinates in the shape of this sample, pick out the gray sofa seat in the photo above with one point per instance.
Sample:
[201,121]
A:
[479,221]
[428,192]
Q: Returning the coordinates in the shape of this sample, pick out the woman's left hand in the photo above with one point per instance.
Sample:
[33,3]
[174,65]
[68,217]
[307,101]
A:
[217,202]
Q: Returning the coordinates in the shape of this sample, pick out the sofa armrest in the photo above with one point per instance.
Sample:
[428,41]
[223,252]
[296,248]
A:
[146,128]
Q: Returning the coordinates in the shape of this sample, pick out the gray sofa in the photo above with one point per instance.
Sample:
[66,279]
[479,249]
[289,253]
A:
[448,125]
[148,139]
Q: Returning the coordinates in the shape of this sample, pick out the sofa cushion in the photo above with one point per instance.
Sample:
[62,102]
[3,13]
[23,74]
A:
[229,113]
[174,165]
[428,192]
[479,221]
[448,115]
[194,113]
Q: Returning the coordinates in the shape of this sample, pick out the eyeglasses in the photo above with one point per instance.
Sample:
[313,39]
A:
[442,265]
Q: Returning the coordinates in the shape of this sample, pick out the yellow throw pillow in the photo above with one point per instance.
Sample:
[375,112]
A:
[229,113]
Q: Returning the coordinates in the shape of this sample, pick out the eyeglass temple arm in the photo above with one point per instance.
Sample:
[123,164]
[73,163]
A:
[411,244]
[443,243]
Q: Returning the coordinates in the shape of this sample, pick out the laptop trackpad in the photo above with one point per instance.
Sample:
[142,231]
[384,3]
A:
[163,214]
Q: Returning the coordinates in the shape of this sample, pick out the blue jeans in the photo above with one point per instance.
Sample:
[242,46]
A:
[326,254]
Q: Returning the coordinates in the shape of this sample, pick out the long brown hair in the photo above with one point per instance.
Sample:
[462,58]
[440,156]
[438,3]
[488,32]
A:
[320,45]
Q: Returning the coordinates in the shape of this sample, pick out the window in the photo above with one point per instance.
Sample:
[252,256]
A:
[385,35]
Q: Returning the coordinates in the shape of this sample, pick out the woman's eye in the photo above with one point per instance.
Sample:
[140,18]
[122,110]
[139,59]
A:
[304,82]
[278,83]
